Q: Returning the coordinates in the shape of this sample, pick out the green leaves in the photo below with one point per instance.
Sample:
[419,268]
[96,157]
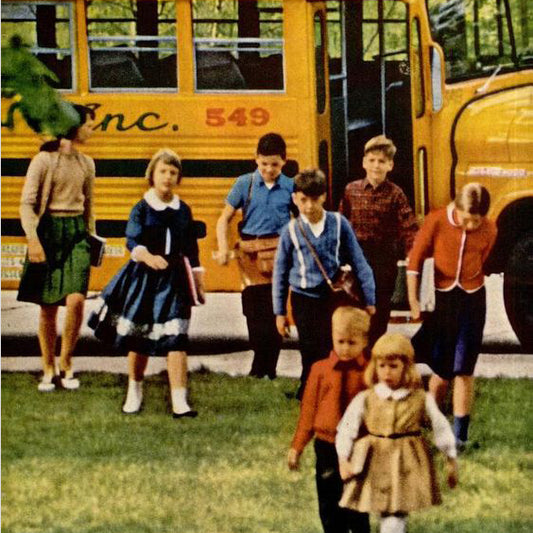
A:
[27,80]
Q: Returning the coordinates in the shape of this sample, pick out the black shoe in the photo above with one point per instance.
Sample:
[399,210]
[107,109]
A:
[291,395]
[186,414]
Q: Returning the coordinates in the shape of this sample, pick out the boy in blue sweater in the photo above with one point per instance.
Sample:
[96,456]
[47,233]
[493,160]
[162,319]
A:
[336,244]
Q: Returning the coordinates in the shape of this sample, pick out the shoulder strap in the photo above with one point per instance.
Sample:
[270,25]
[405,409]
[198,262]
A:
[249,197]
[313,252]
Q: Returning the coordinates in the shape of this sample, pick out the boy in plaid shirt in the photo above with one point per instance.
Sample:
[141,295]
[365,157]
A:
[384,223]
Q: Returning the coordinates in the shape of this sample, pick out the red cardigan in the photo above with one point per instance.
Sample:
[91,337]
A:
[320,410]
[459,255]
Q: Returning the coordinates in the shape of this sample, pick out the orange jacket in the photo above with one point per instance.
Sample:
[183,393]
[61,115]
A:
[320,410]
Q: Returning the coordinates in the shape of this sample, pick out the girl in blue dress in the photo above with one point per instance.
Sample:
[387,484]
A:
[146,307]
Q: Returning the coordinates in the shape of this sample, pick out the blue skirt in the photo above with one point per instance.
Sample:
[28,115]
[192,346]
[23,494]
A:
[144,310]
[450,338]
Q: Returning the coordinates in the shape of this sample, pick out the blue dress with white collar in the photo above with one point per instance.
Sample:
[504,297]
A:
[146,310]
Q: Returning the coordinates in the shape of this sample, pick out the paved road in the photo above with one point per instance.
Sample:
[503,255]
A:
[218,340]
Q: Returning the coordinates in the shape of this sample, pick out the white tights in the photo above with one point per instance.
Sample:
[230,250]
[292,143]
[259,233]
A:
[393,524]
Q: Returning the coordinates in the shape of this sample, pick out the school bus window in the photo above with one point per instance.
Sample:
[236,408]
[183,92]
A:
[335,19]
[417,73]
[388,16]
[238,45]
[478,36]
[320,67]
[132,44]
[47,28]
[382,67]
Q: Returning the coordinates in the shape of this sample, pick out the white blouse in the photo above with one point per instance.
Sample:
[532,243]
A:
[350,424]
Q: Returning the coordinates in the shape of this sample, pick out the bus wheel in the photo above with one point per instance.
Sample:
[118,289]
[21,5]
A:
[518,290]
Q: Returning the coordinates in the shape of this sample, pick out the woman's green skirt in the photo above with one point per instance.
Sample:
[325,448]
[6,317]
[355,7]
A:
[67,267]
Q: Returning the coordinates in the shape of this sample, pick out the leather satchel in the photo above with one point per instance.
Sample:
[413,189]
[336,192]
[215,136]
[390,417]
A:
[256,259]
[346,288]
[344,284]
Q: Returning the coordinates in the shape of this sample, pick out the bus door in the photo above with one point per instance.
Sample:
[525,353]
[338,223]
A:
[426,67]
[370,86]
[322,99]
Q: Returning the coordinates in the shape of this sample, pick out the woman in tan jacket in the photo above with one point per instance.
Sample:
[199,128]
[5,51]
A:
[56,216]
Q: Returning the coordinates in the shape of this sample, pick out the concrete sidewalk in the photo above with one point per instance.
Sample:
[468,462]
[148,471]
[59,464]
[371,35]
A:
[239,363]
[219,340]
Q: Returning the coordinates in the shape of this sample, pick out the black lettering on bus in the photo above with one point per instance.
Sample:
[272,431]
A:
[139,123]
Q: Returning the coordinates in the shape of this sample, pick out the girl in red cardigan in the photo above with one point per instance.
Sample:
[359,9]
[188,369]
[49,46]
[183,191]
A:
[459,237]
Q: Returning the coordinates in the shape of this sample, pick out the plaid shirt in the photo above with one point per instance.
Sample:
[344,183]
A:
[381,216]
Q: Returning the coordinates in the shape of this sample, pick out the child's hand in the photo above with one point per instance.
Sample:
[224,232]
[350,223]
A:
[222,257]
[414,304]
[199,282]
[155,261]
[452,473]
[371,309]
[293,459]
[345,469]
[35,251]
[282,325]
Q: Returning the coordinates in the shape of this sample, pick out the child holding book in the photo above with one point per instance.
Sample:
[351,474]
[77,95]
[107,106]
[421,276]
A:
[56,213]
[147,305]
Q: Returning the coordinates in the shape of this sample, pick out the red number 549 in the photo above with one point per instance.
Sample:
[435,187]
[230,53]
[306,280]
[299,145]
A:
[240,116]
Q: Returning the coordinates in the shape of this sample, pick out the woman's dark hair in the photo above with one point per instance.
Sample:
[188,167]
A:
[83,112]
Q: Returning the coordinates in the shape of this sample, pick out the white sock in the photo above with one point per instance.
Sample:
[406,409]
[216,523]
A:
[47,378]
[134,397]
[393,524]
[179,400]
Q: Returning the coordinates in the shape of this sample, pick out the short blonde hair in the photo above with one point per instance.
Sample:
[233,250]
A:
[394,346]
[166,155]
[380,143]
[356,320]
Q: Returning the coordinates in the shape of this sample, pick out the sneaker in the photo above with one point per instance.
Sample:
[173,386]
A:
[70,383]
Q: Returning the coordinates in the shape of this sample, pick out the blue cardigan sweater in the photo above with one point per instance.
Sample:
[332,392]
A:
[295,266]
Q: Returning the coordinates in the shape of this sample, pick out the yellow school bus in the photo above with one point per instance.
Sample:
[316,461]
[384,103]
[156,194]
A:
[451,81]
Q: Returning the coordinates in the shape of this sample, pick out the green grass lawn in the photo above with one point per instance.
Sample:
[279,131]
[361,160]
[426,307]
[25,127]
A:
[71,462]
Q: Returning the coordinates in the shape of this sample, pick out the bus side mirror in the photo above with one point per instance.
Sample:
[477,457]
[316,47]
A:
[437,83]
[199,229]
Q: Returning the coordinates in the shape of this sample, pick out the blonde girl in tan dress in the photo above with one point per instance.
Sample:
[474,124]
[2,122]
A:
[384,460]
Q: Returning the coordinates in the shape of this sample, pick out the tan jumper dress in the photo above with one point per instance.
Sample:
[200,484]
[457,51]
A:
[396,472]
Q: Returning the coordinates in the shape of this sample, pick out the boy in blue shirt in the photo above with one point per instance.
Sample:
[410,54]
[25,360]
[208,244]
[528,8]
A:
[264,196]
[336,244]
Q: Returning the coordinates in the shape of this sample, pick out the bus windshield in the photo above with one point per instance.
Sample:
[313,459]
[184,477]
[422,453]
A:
[480,36]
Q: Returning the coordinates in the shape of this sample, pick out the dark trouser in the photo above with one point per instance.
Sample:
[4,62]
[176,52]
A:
[450,338]
[384,267]
[329,486]
[313,322]
[264,338]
